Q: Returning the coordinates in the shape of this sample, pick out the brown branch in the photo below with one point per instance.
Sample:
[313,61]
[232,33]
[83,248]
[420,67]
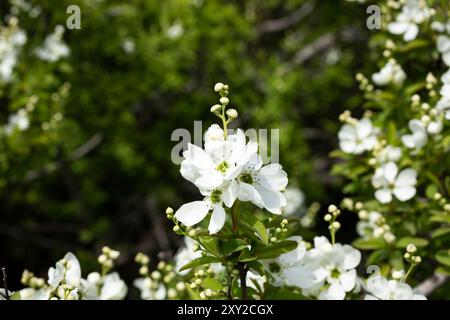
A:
[322,43]
[431,284]
[87,147]
[285,22]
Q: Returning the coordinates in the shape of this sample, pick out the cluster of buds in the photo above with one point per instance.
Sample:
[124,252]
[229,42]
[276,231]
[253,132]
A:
[30,280]
[348,204]
[364,83]
[431,81]
[197,282]
[282,229]
[441,201]
[389,47]
[410,255]
[107,258]
[220,110]
[331,216]
[377,224]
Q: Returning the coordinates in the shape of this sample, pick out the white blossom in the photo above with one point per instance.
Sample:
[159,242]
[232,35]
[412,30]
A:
[389,153]
[388,181]
[148,289]
[175,31]
[290,269]
[380,288]
[357,136]
[12,39]
[53,47]
[295,199]
[418,138]
[108,287]
[334,269]
[413,13]
[391,73]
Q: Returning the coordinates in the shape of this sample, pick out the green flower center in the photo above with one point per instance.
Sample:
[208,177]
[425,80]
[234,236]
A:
[335,274]
[223,167]
[247,178]
[216,196]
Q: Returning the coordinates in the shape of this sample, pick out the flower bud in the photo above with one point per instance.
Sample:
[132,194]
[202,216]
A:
[328,217]
[156,275]
[417,259]
[216,108]
[232,113]
[224,100]
[336,225]
[219,86]
[180,286]
[411,248]
[143,270]
[169,210]
[332,208]
[171,293]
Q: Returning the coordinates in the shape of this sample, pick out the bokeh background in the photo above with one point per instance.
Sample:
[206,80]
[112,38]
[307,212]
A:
[139,69]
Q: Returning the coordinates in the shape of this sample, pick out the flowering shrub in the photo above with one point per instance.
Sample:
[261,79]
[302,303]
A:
[242,237]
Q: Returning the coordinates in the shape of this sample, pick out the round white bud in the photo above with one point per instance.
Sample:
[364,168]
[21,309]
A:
[219,86]
[232,113]
[328,217]
[224,100]
[216,108]
[411,248]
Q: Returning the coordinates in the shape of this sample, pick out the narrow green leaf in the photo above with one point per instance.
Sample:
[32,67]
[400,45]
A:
[418,242]
[200,261]
[277,249]
[369,244]
[440,232]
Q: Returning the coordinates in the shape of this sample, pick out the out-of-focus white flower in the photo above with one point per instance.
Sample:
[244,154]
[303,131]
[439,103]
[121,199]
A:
[289,268]
[380,288]
[34,294]
[255,281]
[443,46]
[391,73]
[366,227]
[334,269]
[148,290]
[419,136]
[54,47]
[388,181]
[295,200]
[414,12]
[175,31]
[128,45]
[12,39]
[358,136]
[17,121]
[443,105]
[66,271]
[108,287]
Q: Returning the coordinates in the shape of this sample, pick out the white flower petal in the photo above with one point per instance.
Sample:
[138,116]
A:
[217,219]
[192,213]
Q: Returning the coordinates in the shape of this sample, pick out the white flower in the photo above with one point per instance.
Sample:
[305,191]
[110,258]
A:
[255,281]
[128,45]
[419,136]
[175,31]
[289,268]
[18,121]
[12,39]
[263,185]
[54,47]
[148,292]
[414,12]
[391,73]
[443,105]
[382,289]
[67,271]
[295,199]
[443,46]
[390,182]
[108,287]
[34,294]
[334,269]
[357,137]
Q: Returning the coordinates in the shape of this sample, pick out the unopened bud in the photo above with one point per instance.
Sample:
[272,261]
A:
[219,86]
[232,113]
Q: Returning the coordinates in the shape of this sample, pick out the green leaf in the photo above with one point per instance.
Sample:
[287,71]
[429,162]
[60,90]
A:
[222,247]
[277,249]
[200,261]
[431,190]
[391,133]
[257,226]
[256,266]
[444,270]
[413,45]
[418,242]
[369,244]
[440,232]
[246,256]
[440,218]
[212,284]
[443,257]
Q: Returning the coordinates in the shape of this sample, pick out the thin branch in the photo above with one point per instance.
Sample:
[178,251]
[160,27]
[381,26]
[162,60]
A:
[322,43]
[287,21]
[431,284]
[87,147]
